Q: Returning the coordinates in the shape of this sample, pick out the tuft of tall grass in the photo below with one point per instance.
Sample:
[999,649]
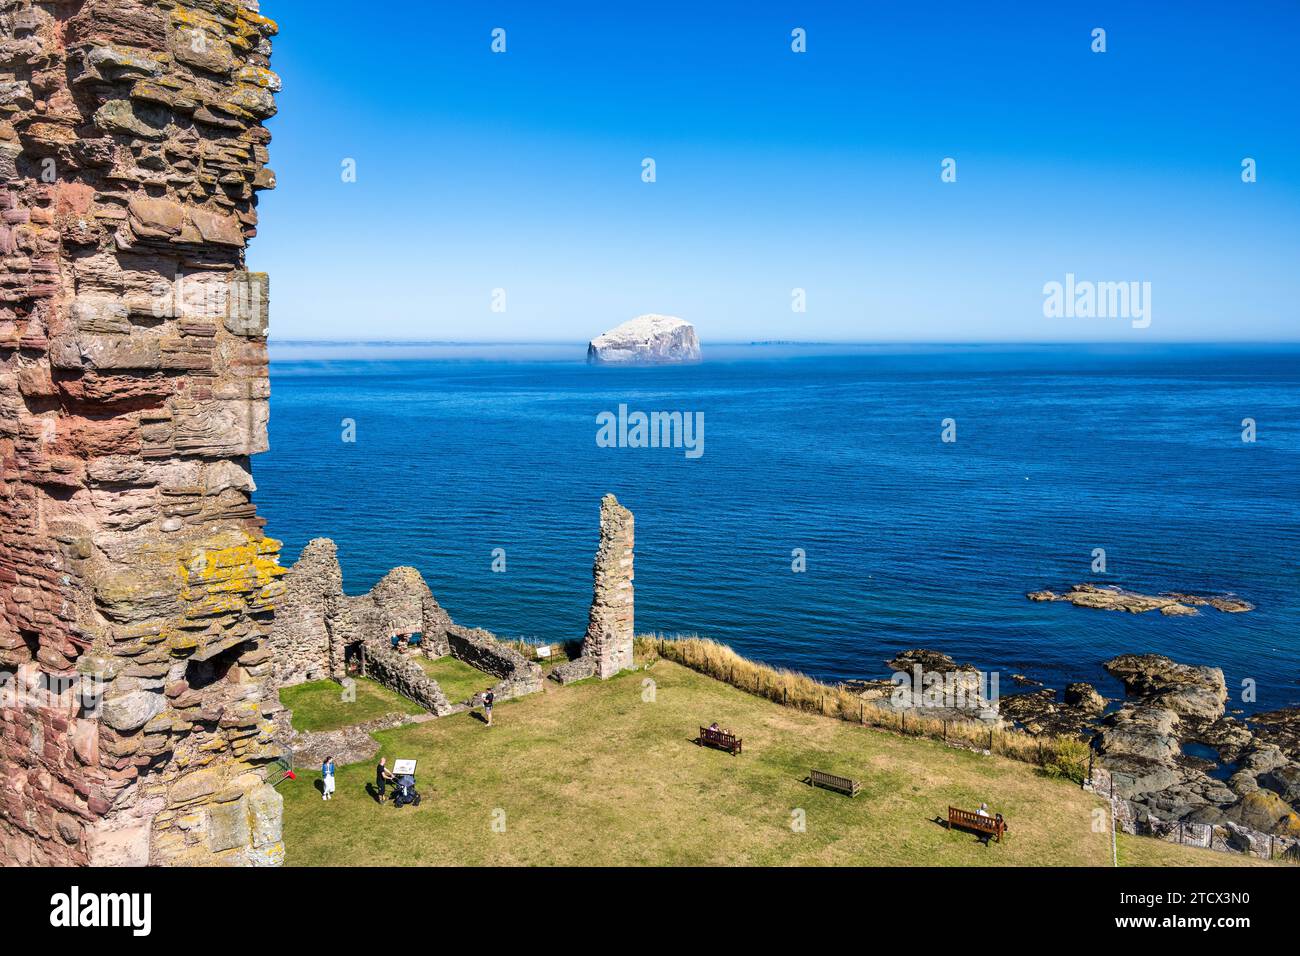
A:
[1059,756]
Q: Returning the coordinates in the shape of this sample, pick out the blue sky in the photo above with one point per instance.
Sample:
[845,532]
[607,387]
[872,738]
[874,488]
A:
[775,170]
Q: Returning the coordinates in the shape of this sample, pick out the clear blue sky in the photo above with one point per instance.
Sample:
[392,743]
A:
[777,170]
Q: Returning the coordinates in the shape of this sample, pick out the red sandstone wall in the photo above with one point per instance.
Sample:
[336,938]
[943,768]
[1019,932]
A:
[133,390]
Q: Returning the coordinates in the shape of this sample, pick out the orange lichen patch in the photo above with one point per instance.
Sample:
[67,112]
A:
[226,580]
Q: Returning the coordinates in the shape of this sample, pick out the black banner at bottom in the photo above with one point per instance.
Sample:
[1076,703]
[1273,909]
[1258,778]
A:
[149,906]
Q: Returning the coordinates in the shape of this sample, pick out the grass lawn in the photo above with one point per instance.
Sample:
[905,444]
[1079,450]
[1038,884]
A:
[1144,851]
[457,679]
[592,774]
[319,705]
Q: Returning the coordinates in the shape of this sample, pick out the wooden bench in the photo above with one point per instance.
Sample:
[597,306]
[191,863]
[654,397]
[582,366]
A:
[973,821]
[720,739]
[845,785]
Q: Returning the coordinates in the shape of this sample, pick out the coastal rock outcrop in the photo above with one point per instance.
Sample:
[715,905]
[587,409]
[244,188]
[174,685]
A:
[1084,697]
[136,583]
[935,684]
[1187,690]
[1110,598]
[646,340]
[1144,746]
[1040,712]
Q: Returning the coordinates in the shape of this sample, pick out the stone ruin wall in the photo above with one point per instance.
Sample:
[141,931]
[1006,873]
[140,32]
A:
[133,389]
[608,645]
[300,634]
[317,622]
[479,648]
[611,627]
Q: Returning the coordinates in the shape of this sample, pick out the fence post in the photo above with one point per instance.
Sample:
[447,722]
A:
[945,731]
[990,740]
[904,721]
[862,712]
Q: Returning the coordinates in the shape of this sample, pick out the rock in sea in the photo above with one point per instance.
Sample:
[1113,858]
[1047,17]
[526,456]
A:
[646,340]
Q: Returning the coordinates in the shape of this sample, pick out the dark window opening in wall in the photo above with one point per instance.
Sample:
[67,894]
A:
[353,658]
[205,673]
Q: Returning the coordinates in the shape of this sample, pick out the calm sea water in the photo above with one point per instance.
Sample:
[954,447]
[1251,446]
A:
[836,450]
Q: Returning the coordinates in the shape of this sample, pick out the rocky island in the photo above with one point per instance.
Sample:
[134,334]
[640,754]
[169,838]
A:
[1110,598]
[646,340]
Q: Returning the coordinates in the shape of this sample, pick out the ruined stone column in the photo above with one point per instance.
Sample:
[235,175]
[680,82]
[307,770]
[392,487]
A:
[133,389]
[610,625]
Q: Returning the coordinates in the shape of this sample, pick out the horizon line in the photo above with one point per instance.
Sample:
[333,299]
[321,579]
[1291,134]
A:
[811,342]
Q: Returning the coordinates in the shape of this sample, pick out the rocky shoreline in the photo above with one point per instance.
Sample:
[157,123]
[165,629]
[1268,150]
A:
[1171,749]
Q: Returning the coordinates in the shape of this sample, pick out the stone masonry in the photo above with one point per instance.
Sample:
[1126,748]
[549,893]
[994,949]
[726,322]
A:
[300,638]
[610,625]
[607,646]
[133,389]
[319,628]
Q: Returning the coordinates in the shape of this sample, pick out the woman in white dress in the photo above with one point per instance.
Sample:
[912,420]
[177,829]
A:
[327,778]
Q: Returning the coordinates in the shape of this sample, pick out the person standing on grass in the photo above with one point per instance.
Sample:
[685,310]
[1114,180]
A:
[488,698]
[327,778]
[382,776]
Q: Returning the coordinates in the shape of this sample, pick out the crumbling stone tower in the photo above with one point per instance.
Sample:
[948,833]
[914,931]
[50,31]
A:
[607,645]
[133,389]
[610,624]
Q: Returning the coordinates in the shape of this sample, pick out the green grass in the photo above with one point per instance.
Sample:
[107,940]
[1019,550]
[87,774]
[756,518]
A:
[593,774]
[319,705]
[1145,851]
[457,679]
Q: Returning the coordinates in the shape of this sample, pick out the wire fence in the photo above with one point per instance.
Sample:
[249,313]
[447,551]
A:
[1067,757]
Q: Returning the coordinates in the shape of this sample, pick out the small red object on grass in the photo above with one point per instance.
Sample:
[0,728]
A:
[291,775]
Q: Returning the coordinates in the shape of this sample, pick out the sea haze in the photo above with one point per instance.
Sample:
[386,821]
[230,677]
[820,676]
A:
[910,541]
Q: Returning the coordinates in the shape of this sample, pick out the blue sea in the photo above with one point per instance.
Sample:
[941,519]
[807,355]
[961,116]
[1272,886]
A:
[909,541]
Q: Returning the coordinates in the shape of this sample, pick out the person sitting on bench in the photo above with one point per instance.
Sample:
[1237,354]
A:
[983,811]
